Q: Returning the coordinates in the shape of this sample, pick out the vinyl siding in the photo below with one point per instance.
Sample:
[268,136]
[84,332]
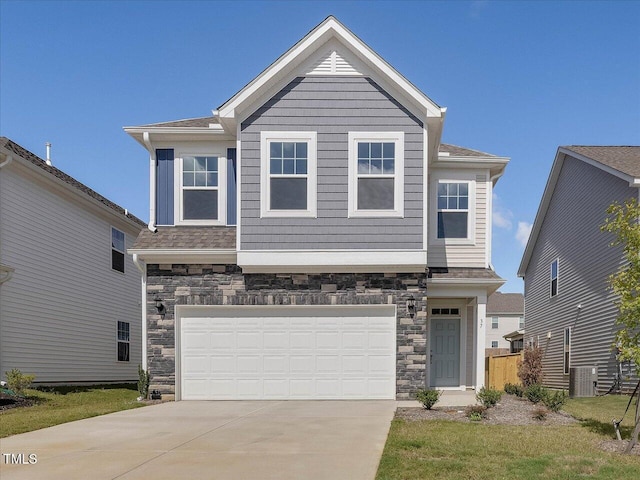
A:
[331,106]
[571,232]
[164,186]
[506,324]
[59,311]
[461,255]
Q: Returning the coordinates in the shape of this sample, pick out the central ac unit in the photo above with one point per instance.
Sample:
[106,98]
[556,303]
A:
[583,381]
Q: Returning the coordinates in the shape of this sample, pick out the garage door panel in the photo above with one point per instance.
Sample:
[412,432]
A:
[249,364]
[223,364]
[279,357]
[328,340]
[249,340]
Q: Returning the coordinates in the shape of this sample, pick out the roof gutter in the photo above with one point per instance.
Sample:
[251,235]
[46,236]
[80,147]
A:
[146,138]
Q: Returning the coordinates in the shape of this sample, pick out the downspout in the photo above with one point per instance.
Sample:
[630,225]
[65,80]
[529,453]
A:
[146,138]
[143,269]
[489,252]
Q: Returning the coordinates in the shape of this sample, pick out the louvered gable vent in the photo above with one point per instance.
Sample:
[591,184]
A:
[332,63]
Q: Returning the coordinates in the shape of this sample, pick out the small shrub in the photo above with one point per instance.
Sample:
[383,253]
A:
[475,413]
[18,381]
[488,397]
[143,382]
[530,368]
[555,400]
[514,389]
[535,393]
[540,413]
[428,398]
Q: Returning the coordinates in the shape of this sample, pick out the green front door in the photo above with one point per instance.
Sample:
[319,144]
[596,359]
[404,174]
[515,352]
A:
[445,352]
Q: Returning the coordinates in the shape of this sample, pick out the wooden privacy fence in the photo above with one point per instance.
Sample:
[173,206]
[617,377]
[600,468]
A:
[502,369]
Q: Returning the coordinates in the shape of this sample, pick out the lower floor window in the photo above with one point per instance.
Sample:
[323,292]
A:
[494,344]
[567,351]
[123,341]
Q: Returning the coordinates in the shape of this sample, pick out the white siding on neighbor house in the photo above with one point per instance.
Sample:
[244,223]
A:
[506,324]
[571,233]
[473,254]
[59,311]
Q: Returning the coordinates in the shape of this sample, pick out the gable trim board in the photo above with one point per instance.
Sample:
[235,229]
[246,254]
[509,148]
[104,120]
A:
[558,162]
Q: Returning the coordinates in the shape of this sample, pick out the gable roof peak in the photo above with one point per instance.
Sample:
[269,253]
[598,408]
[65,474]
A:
[285,67]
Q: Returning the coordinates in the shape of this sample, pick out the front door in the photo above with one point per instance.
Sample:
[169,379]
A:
[445,352]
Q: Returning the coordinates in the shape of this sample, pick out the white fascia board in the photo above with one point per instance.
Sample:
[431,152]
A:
[337,261]
[542,210]
[169,134]
[187,256]
[301,50]
[462,290]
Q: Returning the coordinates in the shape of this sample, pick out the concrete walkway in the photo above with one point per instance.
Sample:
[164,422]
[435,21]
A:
[309,440]
[449,398]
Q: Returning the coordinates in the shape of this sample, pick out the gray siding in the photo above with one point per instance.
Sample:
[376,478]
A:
[164,186]
[571,232]
[331,106]
[59,311]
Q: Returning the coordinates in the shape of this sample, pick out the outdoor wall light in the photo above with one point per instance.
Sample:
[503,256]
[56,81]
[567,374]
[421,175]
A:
[160,306]
[411,306]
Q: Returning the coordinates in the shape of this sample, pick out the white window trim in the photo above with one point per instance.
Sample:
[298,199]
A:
[557,262]
[398,184]
[112,248]
[312,173]
[222,188]
[118,341]
[469,179]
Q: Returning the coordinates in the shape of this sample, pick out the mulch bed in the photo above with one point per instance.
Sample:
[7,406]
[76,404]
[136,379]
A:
[9,401]
[511,410]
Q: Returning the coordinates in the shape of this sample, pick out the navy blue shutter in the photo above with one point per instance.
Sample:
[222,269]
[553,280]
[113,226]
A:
[232,207]
[164,186]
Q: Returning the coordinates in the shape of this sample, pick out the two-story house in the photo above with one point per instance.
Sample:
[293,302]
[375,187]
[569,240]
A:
[70,296]
[566,265]
[505,321]
[313,238]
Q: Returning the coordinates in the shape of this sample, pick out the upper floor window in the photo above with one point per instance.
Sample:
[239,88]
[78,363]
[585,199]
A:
[200,188]
[123,341]
[117,250]
[453,209]
[494,322]
[376,174]
[288,174]
[554,277]
[521,323]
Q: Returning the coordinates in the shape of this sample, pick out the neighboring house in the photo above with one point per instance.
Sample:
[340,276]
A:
[505,315]
[69,295]
[291,234]
[568,259]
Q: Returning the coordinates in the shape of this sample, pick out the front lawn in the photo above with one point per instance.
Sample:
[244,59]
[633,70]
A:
[66,404]
[452,450]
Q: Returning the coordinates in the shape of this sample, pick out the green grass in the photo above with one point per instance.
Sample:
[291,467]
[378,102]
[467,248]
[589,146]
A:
[67,404]
[476,451]
[597,413]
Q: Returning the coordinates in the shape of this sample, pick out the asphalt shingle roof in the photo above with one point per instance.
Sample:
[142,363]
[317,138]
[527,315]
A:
[505,303]
[68,179]
[200,122]
[625,159]
[462,273]
[187,238]
[456,151]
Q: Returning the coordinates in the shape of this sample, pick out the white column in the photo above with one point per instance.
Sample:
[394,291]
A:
[481,334]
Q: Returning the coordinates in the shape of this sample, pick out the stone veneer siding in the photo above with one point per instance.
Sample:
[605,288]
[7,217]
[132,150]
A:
[227,285]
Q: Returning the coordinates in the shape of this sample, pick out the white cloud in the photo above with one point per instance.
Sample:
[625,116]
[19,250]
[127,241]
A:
[501,216]
[523,232]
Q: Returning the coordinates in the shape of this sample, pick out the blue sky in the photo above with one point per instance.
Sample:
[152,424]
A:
[518,79]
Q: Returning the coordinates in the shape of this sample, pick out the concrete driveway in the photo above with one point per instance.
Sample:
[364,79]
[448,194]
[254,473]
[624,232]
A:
[210,440]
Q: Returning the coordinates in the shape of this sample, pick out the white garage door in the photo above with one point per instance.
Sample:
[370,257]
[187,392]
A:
[287,352]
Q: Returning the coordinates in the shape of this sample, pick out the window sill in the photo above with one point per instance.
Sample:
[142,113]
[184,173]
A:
[288,214]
